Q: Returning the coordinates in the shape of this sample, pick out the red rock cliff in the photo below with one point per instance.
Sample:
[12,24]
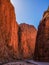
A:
[27,40]
[42,41]
[8,32]
[16,41]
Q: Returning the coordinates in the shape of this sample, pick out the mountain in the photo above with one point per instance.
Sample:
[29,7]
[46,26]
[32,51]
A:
[27,37]
[42,41]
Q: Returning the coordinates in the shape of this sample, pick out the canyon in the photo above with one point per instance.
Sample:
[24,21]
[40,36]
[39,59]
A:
[17,41]
[22,41]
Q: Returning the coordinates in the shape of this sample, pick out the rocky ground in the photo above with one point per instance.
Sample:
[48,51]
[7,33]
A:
[18,63]
[25,62]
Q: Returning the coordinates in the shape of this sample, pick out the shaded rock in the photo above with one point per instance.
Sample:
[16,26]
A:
[8,32]
[42,40]
[27,38]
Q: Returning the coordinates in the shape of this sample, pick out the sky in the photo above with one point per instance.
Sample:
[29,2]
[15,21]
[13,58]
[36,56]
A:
[30,11]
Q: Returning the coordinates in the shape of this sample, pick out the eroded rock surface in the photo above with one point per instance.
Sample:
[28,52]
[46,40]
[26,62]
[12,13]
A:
[42,41]
[8,32]
[16,41]
[27,34]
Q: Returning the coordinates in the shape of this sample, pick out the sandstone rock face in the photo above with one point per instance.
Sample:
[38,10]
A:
[27,34]
[42,41]
[8,32]
[16,41]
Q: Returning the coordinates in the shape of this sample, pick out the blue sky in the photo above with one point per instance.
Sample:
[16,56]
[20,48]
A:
[30,11]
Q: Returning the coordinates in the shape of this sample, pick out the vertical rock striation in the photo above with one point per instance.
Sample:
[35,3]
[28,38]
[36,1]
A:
[27,40]
[16,41]
[42,41]
[8,32]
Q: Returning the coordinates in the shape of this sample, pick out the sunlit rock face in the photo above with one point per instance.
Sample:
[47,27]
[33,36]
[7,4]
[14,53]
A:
[27,37]
[42,41]
[8,32]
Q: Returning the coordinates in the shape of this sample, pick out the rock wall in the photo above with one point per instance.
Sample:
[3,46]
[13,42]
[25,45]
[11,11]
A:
[42,40]
[16,41]
[8,32]
[27,40]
